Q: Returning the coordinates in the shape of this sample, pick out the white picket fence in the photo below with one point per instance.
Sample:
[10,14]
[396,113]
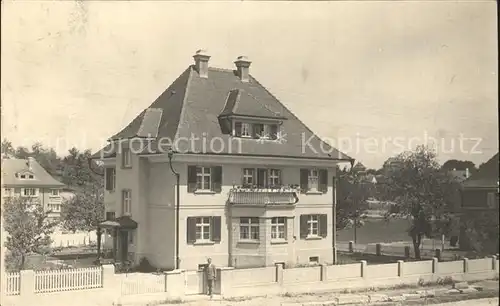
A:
[142,283]
[12,284]
[68,279]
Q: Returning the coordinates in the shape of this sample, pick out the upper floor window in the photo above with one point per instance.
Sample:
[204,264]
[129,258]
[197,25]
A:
[202,179]
[127,202]
[110,179]
[54,192]
[314,180]
[26,176]
[126,158]
[30,192]
[249,228]
[110,215]
[261,177]
[256,130]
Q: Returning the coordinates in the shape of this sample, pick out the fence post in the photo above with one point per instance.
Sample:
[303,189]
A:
[363,268]
[407,252]
[323,276]
[225,280]
[494,262]
[466,265]
[175,283]
[27,284]
[400,268]
[438,254]
[435,263]
[351,247]
[110,282]
[279,273]
[378,249]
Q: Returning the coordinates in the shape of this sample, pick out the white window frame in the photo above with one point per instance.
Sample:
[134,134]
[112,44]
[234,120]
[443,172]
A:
[8,192]
[246,130]
[203,229]
[30,194]
[249,173]
[201,174]
[126,158]
[54,207]
[313,226]
[313,179]
[52,195]
[274,174]
[127,202]
[252,229]
[278,228]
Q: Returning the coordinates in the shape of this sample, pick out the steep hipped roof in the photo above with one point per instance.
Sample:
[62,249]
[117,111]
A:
[486,176]
[192,106]
[10,167]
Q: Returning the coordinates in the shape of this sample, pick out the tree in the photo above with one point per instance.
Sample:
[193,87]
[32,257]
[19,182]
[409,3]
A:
[8,150]
[352,194]
[84,211]
[28,226]
[421,191]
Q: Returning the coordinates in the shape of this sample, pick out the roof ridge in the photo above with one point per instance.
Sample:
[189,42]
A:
[297,118]
[221,69]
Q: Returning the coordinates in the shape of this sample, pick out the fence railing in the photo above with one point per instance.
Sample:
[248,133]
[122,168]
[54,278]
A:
[12,283]
[68,279]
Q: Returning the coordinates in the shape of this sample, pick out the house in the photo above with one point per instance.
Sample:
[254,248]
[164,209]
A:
[256,186]
[28,179]
[480,199]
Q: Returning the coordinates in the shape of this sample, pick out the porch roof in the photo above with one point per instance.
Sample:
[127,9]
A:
[123,222]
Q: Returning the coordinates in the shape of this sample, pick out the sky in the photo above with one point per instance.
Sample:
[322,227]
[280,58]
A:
[372,78]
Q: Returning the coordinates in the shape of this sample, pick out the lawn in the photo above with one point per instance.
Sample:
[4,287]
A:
[377,231]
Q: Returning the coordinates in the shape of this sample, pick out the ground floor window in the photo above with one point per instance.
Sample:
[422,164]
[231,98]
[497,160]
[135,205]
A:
[249,228]
[278,228]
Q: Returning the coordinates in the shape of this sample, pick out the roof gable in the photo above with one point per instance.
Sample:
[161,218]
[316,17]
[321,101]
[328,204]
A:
[486,176]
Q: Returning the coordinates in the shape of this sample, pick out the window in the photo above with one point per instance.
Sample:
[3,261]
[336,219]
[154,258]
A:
[54,207]
[30,176]
[54,192]
[110,179]
[126,158]
[313,179]
[274,177]
[29,192]
[203,178]
[313,225]
[127,202]
[249,228]
[248,177]
[278,228]
[203,228]
[8,192]
[110,215]
[246,130]
[314,259]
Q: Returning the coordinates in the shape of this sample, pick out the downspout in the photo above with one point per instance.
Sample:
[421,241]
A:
[177,207]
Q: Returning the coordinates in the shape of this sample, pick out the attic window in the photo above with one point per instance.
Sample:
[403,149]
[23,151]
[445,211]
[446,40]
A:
[25,176]
[256,130]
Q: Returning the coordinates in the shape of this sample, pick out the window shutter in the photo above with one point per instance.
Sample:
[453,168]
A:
[217,179]
[304,180]
[261,178]
[303,226]
[237,129]
[323,180]
[274,131]
[191,230]
[109,175]
[323,225]
[191,179]
[215,227]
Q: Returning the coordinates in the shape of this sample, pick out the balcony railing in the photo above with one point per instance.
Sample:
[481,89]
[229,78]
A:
[264,196]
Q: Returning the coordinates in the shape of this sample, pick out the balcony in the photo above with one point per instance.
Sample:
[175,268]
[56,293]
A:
[282,195]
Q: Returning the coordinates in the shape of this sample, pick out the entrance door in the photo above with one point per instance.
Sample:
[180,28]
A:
[124,245]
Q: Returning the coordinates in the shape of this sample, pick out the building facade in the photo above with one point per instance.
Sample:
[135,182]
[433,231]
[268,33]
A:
[26,178]
[256,186]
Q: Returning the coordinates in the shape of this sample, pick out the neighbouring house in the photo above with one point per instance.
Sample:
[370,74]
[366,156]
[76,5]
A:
[256,186]
[479,209]
[28,179]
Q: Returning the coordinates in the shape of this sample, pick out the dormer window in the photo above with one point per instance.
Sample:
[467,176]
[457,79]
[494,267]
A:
[25,176]
[256,130]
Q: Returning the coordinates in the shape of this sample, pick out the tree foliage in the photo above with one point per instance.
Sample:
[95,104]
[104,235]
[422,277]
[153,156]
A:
[352,193]
[422,192]
[84,211]
[28,226]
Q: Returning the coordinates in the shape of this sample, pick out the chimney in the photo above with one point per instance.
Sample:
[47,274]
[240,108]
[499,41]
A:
[243,68]
[201,63]
[30,162]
